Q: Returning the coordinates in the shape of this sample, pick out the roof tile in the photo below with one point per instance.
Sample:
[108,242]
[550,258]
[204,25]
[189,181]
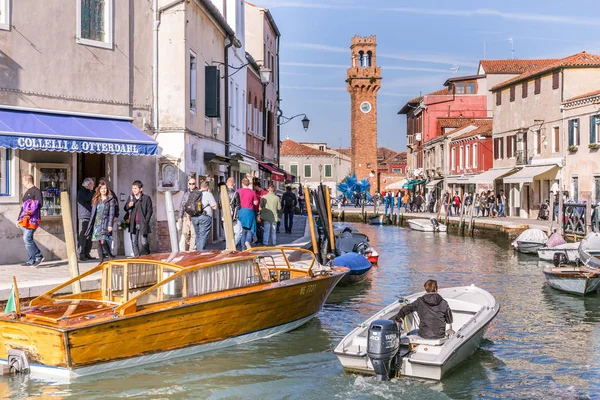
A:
[291,148]
[582,59]
[583,96]
[513,66]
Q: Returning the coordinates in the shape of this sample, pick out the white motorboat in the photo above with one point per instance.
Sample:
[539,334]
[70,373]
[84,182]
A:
[473,309]
[577,280]
[589,250]
[570,250]
[427,225]
[530,241]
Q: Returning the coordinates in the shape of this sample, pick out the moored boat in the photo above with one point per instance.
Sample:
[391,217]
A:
[153,308]
[577,280]
[473,309]
[427,225]
[380,219]
[589,250]
[530,241]
[358,264]
[570,250]
[349,241]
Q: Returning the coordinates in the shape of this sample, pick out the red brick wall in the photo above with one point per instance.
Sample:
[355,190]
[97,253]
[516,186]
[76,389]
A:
[164,241]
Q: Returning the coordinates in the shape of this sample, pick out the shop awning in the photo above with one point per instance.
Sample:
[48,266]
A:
[27,130]
[528,174]
[396,185]
[488,177]
[433,183]
[275,174]
[217,159]
[459,179]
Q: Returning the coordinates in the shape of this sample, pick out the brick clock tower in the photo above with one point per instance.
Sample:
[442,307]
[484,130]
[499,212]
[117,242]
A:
[364,80]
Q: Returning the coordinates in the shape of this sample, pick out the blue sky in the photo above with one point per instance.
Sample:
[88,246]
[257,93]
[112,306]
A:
[417,45]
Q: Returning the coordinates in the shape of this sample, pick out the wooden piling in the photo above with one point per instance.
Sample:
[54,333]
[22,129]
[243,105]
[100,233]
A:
[462,212]
[470,229]
[70,240]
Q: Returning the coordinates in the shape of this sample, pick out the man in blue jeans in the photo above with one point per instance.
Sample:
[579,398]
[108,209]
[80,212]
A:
[203,221]
[32,194]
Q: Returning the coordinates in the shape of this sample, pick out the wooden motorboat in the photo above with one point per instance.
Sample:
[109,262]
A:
[380,219]
[578,280]
[530,241]
[426,225]
[589,250]
[570,250]
[358,264]
[149,309]
[473,309]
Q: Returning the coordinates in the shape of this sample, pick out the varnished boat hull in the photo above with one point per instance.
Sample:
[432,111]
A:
[182,329]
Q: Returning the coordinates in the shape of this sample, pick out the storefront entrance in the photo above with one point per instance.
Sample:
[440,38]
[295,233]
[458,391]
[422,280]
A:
[90,166]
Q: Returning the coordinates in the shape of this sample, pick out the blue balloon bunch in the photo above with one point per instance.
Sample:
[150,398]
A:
[352,185]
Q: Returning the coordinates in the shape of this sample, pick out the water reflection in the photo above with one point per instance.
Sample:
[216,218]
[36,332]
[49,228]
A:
[543,344]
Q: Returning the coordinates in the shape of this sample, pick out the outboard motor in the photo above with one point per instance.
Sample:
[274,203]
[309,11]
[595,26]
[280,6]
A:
[559,259]
[382,346]
[435,223]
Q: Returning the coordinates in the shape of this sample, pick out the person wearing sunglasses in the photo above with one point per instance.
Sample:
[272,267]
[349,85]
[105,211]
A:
[184,223]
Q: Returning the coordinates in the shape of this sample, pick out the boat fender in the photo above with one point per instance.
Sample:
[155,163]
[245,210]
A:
[17,361]
[382,347]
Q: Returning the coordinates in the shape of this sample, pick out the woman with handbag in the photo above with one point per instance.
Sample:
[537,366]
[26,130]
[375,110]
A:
[101,221]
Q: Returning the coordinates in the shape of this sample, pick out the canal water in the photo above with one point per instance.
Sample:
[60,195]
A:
[544,344]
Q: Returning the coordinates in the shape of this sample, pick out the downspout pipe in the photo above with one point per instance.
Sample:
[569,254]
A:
[278,101]
[226,77]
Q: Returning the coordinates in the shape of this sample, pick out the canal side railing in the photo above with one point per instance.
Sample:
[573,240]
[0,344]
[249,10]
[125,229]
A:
[575,216]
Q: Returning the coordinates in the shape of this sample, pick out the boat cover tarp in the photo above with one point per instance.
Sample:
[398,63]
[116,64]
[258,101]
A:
[589,249]
[533,236]
[554,240]
[357,263]
[346,242]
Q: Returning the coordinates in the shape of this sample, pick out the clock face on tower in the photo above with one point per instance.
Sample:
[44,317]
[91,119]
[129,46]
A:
[365,107]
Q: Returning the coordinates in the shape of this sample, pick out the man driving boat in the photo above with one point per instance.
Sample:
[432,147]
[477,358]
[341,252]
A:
[434,313]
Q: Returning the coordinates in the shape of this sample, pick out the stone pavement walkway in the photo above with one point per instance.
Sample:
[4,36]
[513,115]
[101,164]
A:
[506,222]
[33,281]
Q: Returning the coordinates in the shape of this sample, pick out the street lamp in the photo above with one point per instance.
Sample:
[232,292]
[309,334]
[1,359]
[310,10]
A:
[285,120]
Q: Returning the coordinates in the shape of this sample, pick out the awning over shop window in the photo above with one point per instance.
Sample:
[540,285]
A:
[433,183]
[216,159]
[488,177]
[275,174]
[412,183]
[528,174]
[459,180]
[27,130]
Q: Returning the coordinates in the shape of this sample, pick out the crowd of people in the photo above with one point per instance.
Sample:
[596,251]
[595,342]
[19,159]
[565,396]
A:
[256,215]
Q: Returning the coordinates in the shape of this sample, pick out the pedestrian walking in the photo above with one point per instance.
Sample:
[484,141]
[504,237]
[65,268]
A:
[29,220]
[102,219]
[109,238]
[234,205]
[288,202]
[468,203]
[247,215]
[260,192]
[270,204]
[84,213]
[491,204]
[501,201]
[205,204]
[187,239]
[139,207]
[456,203]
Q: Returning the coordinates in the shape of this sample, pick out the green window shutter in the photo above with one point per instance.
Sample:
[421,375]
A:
[571,133]
[593,132]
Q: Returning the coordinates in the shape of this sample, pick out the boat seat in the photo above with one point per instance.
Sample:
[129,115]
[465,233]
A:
[413,338]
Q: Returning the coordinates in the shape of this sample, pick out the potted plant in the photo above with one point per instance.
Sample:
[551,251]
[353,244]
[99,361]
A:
[572,148]
[594,145]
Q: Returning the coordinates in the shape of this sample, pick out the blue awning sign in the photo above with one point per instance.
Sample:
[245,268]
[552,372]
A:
[28,130]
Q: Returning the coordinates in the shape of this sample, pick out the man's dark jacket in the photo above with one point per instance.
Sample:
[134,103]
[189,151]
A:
[84,203]
[434,313]
[143,208]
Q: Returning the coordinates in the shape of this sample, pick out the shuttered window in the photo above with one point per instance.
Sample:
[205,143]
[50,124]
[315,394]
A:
[524,90]
[509,148]
[512,93]
[538,85]
[555,80]
[574,132]
[556,140]
[498,144]
[594,120]
[498,97]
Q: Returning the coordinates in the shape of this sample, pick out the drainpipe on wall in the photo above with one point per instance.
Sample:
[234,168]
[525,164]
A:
[156,24]
[226,77]
[277,107]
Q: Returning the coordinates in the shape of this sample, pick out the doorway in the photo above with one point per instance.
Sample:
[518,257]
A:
[90,166]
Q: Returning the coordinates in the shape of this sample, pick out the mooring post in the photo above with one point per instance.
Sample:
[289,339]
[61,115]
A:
[70,240]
